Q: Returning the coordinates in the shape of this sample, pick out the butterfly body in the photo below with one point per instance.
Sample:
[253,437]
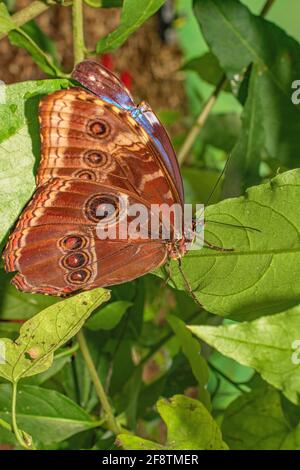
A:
[98,150]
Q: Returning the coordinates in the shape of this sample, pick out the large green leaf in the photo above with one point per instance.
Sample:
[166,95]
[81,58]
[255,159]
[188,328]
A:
[20,145]
[134,14]
[255,421]
[244,163]
[261,275]
[238,38]
[191,349]
[190,427]
[40,336]
[266,344]
[46,415]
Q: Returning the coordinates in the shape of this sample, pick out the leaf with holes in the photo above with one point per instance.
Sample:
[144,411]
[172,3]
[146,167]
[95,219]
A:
[189,424]
[40,336]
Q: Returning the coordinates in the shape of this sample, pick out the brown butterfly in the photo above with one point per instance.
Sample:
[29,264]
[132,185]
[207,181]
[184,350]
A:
[97,145]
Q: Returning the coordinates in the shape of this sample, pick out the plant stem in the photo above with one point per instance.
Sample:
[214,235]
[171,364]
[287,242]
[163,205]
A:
[111,421]
[208,105]
[78,31]
[28,13]
[267,6]
[16,430]
[67,352]
[5,425]
[200,121]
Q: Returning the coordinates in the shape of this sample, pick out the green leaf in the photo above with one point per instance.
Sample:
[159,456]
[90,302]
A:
[261,275]
[266,344]
[190,427]
[21,38]
[195,192]
[19,142]
[6,23]
[255,421]
[238,38]
[243,168]
[130,442]
[207,67]
[192,350]
[17,305]
[40,336]
[109,316]
[134,14]
[46,415]
[222,131]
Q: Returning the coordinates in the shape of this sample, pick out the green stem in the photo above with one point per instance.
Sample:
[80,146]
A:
[67,352]
[111,421]
[5,425]
[18,433]
[267,6]
[78,31]
[28,13]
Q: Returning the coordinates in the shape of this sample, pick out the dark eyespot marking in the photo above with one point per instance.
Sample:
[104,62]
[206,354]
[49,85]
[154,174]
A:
[98,128]
[75,260]
[95,159]
[80,276]
[72,242]
[85,175]
[100,207]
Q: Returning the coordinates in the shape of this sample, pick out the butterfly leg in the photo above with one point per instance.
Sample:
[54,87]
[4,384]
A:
[188,287]
[168,271]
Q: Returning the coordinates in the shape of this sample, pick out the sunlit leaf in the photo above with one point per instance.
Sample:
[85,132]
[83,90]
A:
[190,427]
[261,275]
[40,336]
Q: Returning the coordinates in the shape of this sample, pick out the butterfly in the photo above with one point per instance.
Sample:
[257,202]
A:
[96,146]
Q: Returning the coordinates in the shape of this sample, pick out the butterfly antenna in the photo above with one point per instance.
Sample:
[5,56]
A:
[188,287]
[218,181]
[245,227]
[212,193]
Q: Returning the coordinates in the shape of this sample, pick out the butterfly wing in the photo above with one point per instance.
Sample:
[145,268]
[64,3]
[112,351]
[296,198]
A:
[56,247]
[91,149]
[108,87]
[84,137]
